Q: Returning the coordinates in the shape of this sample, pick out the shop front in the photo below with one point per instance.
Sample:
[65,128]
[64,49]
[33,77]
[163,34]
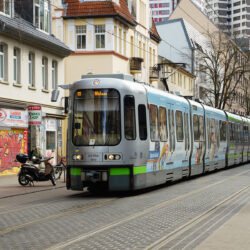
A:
[45,133]
[13,138]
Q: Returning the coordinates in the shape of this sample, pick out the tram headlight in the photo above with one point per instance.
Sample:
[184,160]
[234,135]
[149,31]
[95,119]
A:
[117,157]
[113,157]
[77,157]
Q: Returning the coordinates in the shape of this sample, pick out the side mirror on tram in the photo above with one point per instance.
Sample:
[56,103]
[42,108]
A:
[54,95]
[66,105]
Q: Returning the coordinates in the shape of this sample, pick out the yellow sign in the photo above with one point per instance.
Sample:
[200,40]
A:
[100,93]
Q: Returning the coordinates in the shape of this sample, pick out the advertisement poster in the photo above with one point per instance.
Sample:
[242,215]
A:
[13,118]
[12,142]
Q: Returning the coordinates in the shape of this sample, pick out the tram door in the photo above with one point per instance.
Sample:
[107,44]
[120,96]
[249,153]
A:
[198,135]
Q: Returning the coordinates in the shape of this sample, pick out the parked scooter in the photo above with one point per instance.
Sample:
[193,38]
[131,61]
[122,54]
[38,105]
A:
[31,170]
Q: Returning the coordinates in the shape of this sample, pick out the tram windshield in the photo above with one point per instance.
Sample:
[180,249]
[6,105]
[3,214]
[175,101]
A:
[96,117]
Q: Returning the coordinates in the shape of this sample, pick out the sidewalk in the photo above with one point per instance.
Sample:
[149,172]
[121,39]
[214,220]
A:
[232,235]
[9,186]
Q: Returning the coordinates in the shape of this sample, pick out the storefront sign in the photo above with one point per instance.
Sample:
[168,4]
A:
[50,124]
[13,118]
[35,115]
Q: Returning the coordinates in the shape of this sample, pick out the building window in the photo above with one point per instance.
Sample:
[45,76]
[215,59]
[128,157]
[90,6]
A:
[31,69]
[100,36]
[16,65]
[3,62]
[45,72]
[81,37]
[42,15]
[124,43]
[5,7]
[120,41]
[54,75]
[131,46]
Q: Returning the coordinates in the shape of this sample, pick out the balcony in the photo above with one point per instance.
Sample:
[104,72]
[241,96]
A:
[154,73]
[135,64]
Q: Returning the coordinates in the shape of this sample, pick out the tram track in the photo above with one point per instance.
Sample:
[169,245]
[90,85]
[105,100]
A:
[180,238]
[119,222]
[57,215]
[102,203]
[32,206]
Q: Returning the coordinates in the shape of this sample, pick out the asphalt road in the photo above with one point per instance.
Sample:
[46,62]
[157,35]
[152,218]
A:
[186,215]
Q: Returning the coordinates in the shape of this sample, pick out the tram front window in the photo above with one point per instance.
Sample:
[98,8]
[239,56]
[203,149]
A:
[96,118]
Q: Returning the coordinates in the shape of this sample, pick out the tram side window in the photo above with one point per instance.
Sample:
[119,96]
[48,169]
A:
[236,127]
[142,122]
[231,132]
[208,133]
[223,131]
[196,127]
[179,126]
[186,131]
[213,132]
[163,124]
[153,115]
[246,133]
[217,133]
[201,128]
[129,118]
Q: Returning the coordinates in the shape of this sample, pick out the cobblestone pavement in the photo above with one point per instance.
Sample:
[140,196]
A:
[178,216]
[9,186]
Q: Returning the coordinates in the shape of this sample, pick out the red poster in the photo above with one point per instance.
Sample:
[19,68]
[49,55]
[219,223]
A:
[12,142]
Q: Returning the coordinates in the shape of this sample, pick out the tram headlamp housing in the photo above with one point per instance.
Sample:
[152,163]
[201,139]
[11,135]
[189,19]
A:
[77,157]
[113,157]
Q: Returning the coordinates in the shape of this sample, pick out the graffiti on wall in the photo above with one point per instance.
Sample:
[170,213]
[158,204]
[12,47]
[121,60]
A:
[12,142]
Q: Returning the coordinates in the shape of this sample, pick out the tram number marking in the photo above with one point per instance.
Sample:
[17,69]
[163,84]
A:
[93,157]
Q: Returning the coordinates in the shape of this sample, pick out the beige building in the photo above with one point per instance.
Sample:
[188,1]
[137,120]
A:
[175,78]
[107,37]
[31,66]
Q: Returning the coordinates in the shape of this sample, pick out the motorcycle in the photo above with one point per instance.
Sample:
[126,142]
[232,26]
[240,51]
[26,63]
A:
[31,170]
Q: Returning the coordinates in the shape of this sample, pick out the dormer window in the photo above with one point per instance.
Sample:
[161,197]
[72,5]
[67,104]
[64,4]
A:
[5,7]
[42,15]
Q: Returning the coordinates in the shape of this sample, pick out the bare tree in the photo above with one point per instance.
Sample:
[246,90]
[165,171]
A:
[246,89]
[224,66]
[246,98]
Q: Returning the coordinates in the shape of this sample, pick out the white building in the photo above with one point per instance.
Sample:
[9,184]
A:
[162,9]
[233,17]
[31,66]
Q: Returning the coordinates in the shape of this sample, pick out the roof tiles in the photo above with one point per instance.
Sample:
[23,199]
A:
[75,8]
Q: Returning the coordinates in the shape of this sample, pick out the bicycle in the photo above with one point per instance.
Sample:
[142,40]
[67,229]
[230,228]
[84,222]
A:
[59,168]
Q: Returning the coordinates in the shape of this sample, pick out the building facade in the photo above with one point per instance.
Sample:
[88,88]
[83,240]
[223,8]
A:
[162,9]
[185,38]
[31,66]
[175,78]
[233,17]
[107,37]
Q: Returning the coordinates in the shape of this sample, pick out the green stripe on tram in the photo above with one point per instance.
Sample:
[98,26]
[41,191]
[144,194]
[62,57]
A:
[119,171]
[125,171]
[75,171]
[140,170]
